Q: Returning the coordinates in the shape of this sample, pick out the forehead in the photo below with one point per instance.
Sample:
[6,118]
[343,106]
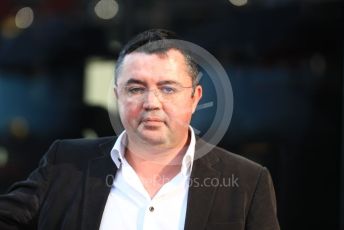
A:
[154,67]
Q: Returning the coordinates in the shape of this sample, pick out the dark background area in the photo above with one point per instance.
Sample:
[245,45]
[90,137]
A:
[285,63]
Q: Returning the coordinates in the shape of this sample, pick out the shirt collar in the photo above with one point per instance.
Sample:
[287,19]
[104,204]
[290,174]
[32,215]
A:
[118,150]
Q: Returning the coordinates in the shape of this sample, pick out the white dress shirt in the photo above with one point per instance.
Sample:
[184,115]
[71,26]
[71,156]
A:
[129,206]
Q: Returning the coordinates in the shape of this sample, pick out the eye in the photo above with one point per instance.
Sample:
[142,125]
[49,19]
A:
[168,89]
[135,90]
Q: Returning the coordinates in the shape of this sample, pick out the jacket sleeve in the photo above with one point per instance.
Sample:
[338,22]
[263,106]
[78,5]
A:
[19,208]
[262,214]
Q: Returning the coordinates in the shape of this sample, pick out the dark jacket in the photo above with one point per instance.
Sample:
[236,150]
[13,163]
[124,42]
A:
[70,187]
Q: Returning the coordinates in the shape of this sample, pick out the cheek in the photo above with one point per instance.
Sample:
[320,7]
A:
[180,114]
[129,111]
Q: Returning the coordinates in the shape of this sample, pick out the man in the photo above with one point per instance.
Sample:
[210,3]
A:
[150,176]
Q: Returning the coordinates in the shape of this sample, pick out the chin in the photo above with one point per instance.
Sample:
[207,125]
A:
[154,139]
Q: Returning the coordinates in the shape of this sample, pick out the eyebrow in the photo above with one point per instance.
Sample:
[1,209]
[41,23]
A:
[140,82]
[135,81]
[168,82]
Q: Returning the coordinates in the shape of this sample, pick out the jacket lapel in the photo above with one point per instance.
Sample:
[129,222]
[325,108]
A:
[201,194]
[100,175]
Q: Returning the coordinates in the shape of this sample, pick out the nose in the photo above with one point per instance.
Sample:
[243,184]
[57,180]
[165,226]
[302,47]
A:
[151,100]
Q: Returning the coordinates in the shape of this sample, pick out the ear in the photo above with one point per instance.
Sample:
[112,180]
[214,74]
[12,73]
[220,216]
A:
[115,89]
[196,97]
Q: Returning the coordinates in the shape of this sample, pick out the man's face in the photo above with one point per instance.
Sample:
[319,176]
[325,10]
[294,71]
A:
[155,98]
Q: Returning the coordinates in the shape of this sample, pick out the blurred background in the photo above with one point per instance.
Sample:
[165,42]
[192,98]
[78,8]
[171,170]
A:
[284,59]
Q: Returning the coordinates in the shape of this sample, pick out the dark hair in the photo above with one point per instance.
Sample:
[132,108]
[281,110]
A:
[157,41]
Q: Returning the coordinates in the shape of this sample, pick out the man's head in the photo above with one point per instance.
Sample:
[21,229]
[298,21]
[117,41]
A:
[157,90]
[156,41]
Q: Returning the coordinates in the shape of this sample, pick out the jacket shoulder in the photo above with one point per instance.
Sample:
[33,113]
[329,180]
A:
[82,143]
[234,165]
[79,150]
[235,161]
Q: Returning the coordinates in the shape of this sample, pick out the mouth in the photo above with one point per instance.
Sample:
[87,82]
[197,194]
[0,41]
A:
[152,121]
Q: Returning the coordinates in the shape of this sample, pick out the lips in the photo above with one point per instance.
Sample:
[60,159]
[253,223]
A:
[152,122]
[152,119]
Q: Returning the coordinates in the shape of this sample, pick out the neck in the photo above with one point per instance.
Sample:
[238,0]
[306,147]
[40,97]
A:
[156,161]
[156,166]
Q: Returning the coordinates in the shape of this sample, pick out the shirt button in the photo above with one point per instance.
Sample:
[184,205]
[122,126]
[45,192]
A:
[151,208]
